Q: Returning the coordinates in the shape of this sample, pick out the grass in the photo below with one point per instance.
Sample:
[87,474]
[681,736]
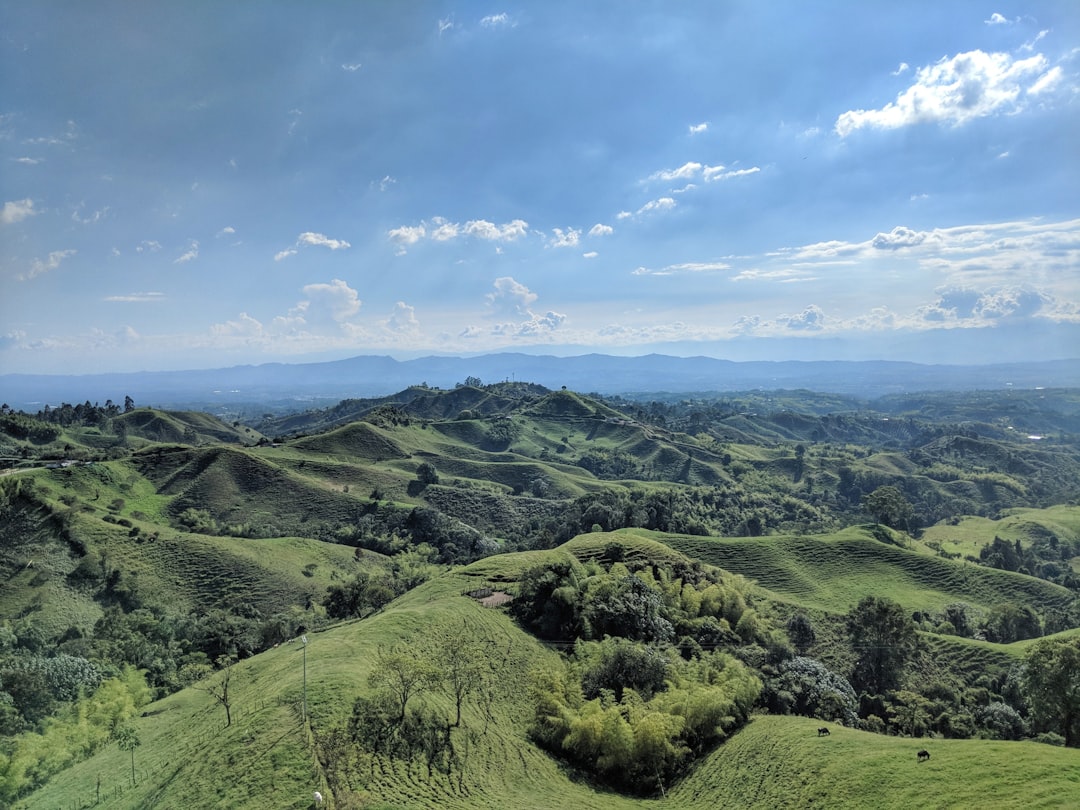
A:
[832,572]
[188,759]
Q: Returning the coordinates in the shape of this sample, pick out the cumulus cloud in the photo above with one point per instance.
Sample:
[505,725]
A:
[965,304]
[190,255]
[148,246]
[600,229]
[402,320]
[898,237]
[407,235]
[16,211]
[904,67]
[511,297]
[811,319]
[568,238]
[244,326]
[592,254]
[284,254]
[228,230]
[957,90]
[351,67]
[38,267]
[696,129]
[440,229]
[997,19]
[319,240]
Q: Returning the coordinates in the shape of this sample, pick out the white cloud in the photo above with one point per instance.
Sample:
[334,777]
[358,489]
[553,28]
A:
[351,67]
[662,204]
[386,182]
[444,231]
[1048,81]
[623,215]
[696,129]
[191,254]
[811,319]
[16,210]
[500,20]
[682,268]
[592,254]
[319,240]
[510,297]
[445,25]
[535,326]
[148,246]
[954,91]
[715,173]
[228,230]
[569,238]
[402,320]
[38,267]
[284,254]
[599,229]
[244,326]
[407,235]
[507,232]
[685,172]
[89,219]
[898,237]
[137,298]
[904,67]
[28,161]
[996,19]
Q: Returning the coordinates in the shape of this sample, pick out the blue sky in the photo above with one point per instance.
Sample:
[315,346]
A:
[201,184]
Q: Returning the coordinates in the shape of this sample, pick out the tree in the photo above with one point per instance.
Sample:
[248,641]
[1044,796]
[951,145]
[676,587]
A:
[883,637]
[427,474]
[219,689]
[888,505]
[466,664]
[801,632]
[1051,682]
[403,674]
[129,404]
[127,739]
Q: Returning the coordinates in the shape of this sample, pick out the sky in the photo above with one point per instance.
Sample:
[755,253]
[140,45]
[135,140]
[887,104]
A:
[205,184]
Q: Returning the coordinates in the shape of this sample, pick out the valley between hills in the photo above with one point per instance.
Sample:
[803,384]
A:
[513,596]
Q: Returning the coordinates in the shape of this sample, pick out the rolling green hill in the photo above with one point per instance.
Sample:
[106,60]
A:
[270,757]
[170,541]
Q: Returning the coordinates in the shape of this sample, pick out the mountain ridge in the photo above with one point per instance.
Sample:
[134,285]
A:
[374,375]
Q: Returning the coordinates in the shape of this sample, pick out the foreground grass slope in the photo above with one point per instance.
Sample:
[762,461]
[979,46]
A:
[268,757]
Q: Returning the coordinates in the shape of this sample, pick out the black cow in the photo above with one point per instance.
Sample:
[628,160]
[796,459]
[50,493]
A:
[823,732]
[923,755]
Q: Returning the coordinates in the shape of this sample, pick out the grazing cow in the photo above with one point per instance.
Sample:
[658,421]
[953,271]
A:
[923,755]
[823,732]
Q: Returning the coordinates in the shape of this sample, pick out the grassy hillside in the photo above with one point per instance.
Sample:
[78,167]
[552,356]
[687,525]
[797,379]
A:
[267,758]
[832,572]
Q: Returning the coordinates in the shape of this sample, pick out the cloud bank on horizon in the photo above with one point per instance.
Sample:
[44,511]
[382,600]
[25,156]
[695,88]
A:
[188,186]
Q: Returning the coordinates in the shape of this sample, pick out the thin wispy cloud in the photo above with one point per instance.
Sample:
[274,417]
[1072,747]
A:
[39,267]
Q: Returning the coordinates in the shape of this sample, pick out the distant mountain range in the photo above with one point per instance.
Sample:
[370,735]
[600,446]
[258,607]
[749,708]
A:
[370,375]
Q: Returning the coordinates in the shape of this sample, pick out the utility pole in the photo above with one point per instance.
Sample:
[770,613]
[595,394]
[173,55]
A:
[304,713]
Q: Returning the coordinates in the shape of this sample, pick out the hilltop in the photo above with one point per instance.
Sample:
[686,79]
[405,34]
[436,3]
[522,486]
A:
[728,540]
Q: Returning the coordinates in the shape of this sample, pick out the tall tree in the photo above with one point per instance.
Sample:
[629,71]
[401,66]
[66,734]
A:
[883,637]
[889,506]
[404,674]
[1051,683]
